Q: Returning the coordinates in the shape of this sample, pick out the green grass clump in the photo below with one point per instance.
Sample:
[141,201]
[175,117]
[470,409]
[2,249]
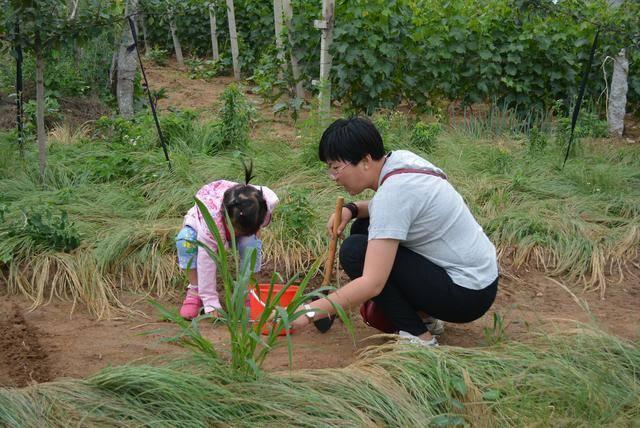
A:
[579,377]
[581,223]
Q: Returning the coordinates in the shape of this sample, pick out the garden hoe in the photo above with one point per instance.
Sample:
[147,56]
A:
[323,325]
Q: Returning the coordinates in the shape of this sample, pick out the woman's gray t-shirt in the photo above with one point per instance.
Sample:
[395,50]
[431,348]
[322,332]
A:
[429,217]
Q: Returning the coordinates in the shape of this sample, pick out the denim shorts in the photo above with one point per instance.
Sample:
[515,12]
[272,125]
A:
[187,247]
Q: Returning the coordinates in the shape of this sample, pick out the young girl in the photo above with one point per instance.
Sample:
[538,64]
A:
[249,207]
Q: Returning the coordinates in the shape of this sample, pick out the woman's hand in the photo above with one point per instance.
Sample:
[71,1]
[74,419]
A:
[300,322]
[346,218]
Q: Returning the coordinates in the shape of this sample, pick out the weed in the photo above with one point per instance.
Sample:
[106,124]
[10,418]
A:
[537,141]
[497,332]
[235,117]
[158,94]
[204,69]
[65,134]
[501,120]
[46,230]
[297,213]
[587,126]
[275,83]
[203,138]
[177,124]
[51,114]
[497,160]
[424,135]
[159,56]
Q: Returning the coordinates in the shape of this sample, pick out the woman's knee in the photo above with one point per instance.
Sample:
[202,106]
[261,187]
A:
[360,227]
[352,253]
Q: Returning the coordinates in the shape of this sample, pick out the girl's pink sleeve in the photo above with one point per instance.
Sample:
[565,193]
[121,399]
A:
[272,200]
[207,276]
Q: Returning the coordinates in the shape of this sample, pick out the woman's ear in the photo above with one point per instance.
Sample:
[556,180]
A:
[366,162]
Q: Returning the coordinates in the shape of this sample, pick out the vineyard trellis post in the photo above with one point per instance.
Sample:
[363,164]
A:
[295,67]
[326,27]
[233,35]
[174,36]
[277,20]
[283,17]
[141,19]
[214,32]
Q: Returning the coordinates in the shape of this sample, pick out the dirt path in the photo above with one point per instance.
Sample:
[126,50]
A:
[203,97]
[49,342]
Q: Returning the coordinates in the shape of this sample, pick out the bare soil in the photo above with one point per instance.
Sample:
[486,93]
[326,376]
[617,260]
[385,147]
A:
[56,340]
[51,342]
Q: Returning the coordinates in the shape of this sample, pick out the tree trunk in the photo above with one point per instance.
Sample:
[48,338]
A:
[326,25]
[41,133]
[619,86]
[618,94]
[214,33]
[127,66]
[295,68]
[176,42]
[234,39]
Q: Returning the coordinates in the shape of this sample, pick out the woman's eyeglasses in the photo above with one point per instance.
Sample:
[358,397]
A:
[334,171]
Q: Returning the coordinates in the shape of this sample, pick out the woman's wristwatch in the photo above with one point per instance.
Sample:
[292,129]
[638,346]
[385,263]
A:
[351,206]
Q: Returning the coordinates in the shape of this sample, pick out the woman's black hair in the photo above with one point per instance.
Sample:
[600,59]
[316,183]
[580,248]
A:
[245,204]
[350,140]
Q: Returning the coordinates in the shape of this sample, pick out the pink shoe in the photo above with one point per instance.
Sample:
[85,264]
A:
[191,305]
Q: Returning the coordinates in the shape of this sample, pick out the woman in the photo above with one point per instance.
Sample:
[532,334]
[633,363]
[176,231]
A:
[414,248]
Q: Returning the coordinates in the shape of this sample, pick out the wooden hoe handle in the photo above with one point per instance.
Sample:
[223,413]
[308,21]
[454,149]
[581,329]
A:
[324,324]
[337,219]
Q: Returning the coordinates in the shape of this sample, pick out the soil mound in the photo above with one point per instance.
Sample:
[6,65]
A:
[22,359]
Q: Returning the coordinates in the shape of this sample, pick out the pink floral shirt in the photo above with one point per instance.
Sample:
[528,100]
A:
[211,195]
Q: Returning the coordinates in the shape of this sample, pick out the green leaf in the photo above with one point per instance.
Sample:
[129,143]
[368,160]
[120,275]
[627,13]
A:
[491,395]
[459,385]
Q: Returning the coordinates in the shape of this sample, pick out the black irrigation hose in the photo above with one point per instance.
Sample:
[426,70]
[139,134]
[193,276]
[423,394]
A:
[576,109]
[146,82]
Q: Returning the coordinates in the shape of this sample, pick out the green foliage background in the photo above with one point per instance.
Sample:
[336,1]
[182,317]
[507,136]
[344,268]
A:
[524,53]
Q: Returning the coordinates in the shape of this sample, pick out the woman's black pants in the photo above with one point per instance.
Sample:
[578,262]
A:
[416,284]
